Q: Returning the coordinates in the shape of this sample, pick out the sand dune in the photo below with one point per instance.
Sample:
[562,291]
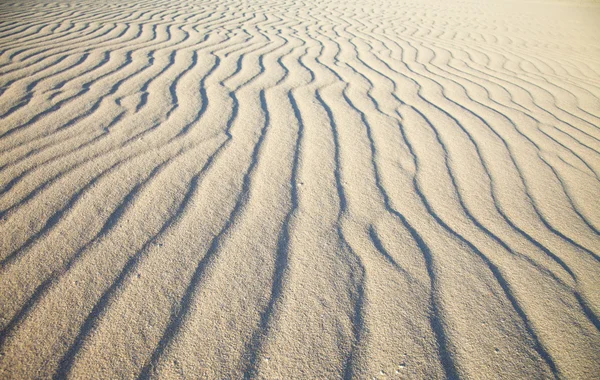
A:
[299,189]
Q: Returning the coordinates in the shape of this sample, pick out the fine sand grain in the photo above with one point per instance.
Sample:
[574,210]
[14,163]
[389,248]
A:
[296,189]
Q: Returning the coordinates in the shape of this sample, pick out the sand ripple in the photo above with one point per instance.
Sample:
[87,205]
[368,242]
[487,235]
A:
[299,189]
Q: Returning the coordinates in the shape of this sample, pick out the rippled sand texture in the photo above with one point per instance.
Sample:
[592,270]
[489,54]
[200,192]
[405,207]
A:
[299,189]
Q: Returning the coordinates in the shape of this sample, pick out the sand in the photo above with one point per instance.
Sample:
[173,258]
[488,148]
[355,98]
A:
[299,189]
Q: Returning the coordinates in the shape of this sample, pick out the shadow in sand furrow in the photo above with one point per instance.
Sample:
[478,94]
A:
[541,78]
[122,276]
[197,279]
[220,148]
[181,124]
[516,82]
[205,100]
[522,177]
[88,325]
[178,319]
[111,221]
[101,62]
[583,304]
[436,318]
[462,75]
[375,239]
[85,88]
[77,147]
[256,343]
[557,175]
[493,269]
[8,26]
[31,86]
[511,73]
[173,85]
[569,198]
[34,35]
[29,90]
[144,89]
[80,165]
[47,66]
[52,220]
[537,147]
[591,132]
[475,144]
[113,43]
[261,67]
[589,173]
[39,38]
[35,20]
[13,324]
[56,217]
[116,86]
[358,274]
[17,179]
[68,45]
[594,172]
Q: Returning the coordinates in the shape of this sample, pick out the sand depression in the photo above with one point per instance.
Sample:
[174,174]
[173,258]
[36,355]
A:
[299,189]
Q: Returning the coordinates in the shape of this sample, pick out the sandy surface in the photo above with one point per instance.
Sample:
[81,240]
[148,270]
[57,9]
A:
[299,189]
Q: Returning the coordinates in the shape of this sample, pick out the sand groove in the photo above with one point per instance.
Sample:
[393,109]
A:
[299,189]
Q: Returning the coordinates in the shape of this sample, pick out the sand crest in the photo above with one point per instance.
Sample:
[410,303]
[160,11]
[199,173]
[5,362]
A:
[299,189]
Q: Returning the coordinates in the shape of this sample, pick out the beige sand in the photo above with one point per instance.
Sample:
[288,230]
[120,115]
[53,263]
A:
[299,189]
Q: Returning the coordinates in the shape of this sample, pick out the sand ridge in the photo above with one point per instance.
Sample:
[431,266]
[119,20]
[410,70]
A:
[299,189]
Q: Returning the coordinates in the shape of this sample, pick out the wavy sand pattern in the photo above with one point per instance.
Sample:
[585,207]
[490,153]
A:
[299,189]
